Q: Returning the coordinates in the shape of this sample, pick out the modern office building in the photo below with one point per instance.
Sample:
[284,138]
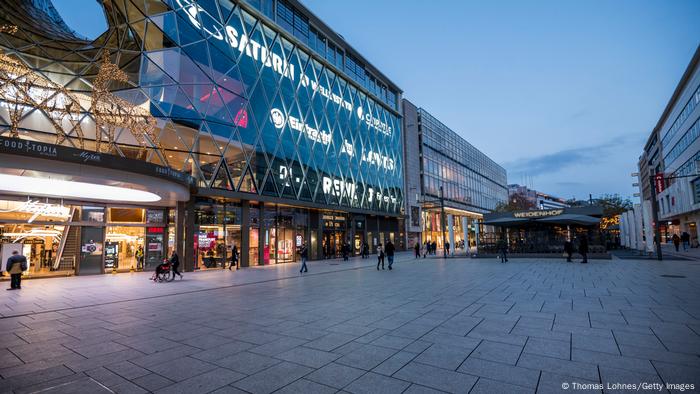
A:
[538,199]
[192,126]
[672,156]
[446,173]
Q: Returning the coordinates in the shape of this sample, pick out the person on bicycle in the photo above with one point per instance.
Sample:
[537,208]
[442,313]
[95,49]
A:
[175,264]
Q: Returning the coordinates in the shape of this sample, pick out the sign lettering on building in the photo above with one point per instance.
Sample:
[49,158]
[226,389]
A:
[538,214]
[257,51]
[659,182]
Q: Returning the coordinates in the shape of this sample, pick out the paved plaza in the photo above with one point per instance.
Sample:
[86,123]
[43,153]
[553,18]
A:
[461,325]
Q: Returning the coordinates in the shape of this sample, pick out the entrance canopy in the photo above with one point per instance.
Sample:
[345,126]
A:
[580,216]
[38,169]
[570,218]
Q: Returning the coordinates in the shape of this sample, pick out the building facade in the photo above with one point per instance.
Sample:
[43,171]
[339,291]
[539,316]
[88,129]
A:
[538,199]
[452,182]
[273,131]
[672,155]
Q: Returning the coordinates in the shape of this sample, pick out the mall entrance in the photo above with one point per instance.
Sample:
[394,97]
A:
[334,235]
[217,230]
[68,239]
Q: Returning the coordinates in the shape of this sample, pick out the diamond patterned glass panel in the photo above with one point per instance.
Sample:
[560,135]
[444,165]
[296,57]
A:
[217,93]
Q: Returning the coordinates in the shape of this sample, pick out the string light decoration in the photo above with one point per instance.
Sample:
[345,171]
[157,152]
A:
[22,90]
[111,113]
[9,29]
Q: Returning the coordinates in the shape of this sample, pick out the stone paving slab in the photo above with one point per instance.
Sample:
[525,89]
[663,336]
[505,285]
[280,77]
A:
[461,325]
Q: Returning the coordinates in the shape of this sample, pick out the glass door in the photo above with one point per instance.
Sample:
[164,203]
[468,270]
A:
[285,245]
[91,246]
[124,248]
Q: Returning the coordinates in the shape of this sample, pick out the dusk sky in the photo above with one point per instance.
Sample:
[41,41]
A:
[563,94]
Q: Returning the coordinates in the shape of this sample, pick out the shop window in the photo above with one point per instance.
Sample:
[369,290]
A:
[92,214]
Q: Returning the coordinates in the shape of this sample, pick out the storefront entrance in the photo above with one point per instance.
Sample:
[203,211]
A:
[70,239]
[218,229]
[124,248]
[333,242]
[39,243]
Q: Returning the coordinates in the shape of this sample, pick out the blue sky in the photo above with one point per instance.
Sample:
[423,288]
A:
[561,93]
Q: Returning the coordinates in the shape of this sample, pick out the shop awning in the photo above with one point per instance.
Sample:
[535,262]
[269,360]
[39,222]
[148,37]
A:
[506,221]
[569,218]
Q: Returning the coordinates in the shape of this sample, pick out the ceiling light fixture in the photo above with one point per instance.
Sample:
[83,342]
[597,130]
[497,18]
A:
[69,189]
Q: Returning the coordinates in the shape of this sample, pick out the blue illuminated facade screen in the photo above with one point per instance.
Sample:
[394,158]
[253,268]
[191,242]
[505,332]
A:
[284,122]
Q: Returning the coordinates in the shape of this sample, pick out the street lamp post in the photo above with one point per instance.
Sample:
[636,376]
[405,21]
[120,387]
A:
[655,217]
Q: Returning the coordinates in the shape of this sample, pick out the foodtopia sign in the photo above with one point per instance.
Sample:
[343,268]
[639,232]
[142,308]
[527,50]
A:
[257,51]
[538,214]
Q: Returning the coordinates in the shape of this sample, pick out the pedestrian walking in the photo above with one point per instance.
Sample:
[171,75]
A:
[346,251]
[685,238]
[304,254]
[16,264]
[390,253]
[234,257]
[447,249]
[434,248]
[503,250]
[426,248]
[380,256]
[676,241]
[417,249]
[583,248]
[175,264]
[568,249]
[365,250]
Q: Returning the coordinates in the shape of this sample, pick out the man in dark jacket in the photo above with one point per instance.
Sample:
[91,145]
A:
[304,254]
[16,264]
[390,253]
[346,251]
[234,257]
[502,247]
[175,264]
[685,238]
[583,248]
[676,241]
[569,250]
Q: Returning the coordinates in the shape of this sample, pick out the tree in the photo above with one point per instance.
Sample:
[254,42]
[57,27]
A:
[516,202]
[613,204]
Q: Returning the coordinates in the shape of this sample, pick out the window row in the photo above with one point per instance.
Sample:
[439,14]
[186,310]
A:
[688,138]
[292,20]
[482,196]
[442,139]
[685,113]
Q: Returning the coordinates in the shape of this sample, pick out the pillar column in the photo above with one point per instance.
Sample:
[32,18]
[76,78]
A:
[244,254]
[189,228]
[179,230]
[261,234]
[451,232]
[465,231]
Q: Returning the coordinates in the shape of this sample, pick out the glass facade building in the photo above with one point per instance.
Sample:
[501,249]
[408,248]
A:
[288,135]
[468,177]
[451,173]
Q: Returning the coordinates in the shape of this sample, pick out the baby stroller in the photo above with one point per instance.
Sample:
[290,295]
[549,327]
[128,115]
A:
[163,272]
